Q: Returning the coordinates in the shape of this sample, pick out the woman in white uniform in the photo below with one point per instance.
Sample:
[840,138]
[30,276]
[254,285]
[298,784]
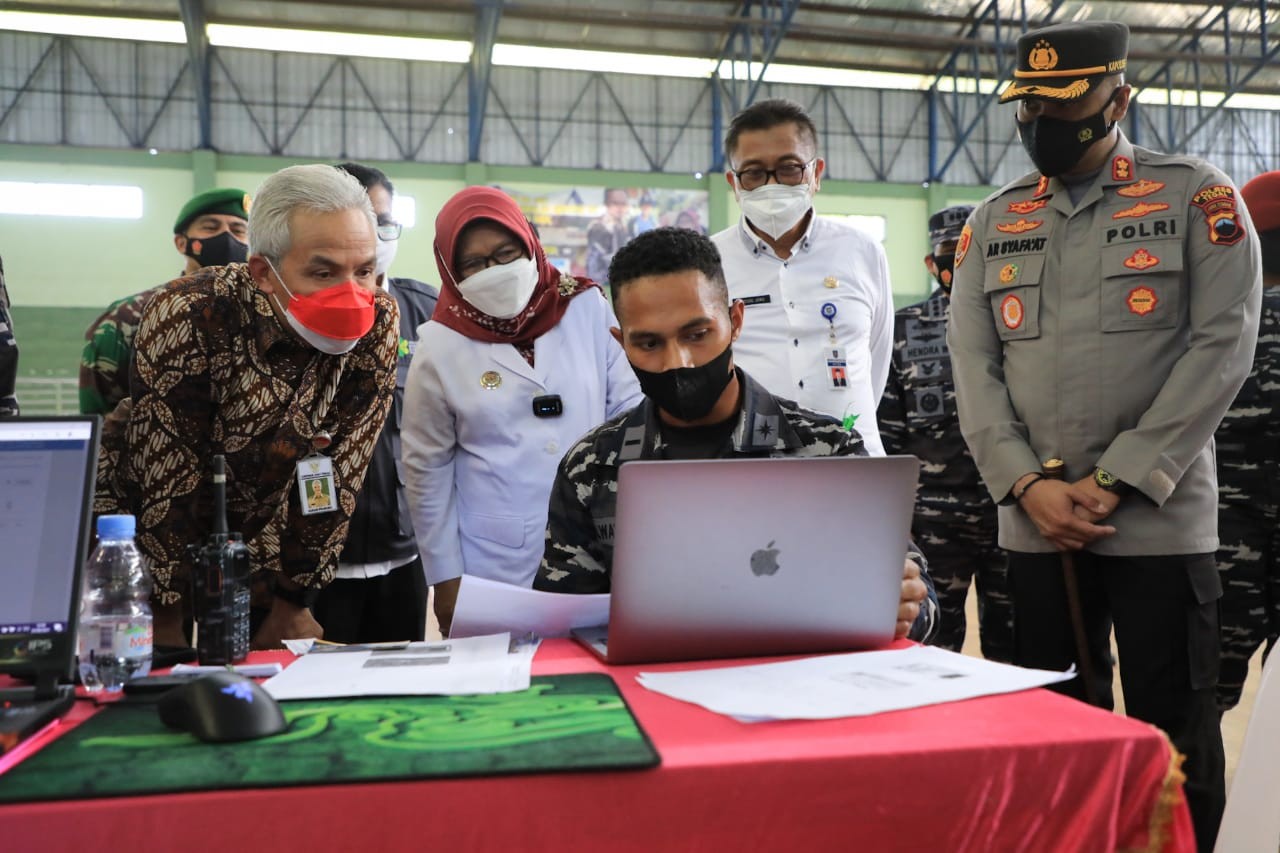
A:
[516,364]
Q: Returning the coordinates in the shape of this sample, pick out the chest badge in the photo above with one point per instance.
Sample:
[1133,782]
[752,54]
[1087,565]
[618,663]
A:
[830,282]
[1024,207]
[1121,169]
[1011,312]
[1022,226]
[1142,301]
[1142,208]
[490,379]
[1141,260]
[1140,189]
[1009,273]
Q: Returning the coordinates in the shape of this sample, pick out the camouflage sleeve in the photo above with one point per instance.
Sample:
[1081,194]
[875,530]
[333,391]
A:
[891,416]
[104,366]
[574,559]
[8,355]
[925,628]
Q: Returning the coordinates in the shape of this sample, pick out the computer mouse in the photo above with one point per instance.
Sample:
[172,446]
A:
[222,706]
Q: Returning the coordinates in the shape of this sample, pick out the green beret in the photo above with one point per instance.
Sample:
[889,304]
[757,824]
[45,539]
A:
[230,201]
[1065,62]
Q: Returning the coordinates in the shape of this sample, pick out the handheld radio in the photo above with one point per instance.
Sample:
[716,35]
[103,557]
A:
[220,575]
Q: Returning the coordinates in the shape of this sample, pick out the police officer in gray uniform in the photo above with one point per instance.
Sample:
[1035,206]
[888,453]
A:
[1248,446]
[955,520]
[8,354]
[1105,311]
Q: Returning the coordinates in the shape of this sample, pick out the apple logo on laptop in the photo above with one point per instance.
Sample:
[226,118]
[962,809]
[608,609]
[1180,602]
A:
[765,560]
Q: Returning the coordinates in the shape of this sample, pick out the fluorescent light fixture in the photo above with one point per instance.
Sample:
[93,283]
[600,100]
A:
[338,44]
[131,29]
[568,59]
[404,209]
[97,200]
[1179,97]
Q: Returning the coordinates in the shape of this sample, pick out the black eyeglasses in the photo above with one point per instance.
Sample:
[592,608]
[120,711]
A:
[506,254]
[389,231]
[791,174]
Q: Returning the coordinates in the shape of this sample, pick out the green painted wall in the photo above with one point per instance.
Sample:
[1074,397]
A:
[62,271]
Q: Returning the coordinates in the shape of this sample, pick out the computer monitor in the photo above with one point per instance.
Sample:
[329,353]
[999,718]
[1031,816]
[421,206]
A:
[47,471]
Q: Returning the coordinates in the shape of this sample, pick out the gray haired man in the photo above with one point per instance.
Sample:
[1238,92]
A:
[286,366]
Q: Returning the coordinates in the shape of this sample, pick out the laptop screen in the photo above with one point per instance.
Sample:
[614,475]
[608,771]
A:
[47,469]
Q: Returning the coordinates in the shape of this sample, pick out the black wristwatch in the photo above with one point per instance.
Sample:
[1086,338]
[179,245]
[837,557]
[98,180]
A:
[1109,482]
[303,597]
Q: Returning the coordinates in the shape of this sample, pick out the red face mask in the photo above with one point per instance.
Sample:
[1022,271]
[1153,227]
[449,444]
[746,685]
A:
[343,312]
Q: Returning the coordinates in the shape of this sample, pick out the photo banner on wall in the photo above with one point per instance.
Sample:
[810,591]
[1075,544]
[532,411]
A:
[581,228]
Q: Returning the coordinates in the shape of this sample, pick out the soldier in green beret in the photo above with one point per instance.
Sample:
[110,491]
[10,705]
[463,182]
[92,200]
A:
[211,231]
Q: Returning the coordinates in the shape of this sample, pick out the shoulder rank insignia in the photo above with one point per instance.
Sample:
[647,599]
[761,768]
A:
[1142,300]
[1141,260]
[1042,186]
[1219,206]
[962,247]
[1121,169]
[1142,188]
[1142,208]
[1011,311]
[1022,207]
[1022,226]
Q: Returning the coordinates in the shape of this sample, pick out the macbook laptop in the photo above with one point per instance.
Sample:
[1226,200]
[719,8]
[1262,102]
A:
[47,469]
[747,557]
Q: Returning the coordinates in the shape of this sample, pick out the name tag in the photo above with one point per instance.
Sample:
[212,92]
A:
[756,300]
[317,487]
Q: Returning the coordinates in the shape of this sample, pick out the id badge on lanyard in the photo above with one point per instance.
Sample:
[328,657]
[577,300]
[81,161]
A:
[317,486]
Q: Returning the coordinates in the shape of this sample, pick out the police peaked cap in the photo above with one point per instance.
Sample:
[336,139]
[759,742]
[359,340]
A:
[1065,62]
[947,223]
[230,201]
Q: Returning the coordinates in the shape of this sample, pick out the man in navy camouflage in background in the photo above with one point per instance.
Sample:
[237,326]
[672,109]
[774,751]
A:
[8,354]
[955,520]
[1248,469]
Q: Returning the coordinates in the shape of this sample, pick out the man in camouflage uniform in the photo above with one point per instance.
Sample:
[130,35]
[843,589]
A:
[1104,313]
[8,354]
[1249,473]
[677,329]
[955,520]
[211,231]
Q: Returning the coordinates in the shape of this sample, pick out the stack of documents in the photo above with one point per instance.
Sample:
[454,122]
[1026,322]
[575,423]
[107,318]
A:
[849,685]
[489,607]
[449,668]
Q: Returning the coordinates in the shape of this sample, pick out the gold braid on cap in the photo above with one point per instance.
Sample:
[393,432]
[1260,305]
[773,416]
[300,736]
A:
[1036,90]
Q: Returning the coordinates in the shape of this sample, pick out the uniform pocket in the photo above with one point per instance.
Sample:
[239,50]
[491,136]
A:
[506,530]
[1203,640]
[1013,287]
[1141,286]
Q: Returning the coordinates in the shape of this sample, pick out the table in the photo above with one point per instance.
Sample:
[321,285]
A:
[1030,771]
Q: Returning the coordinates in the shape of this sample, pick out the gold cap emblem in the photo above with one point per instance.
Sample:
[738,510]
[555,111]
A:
[1042,57]
[246,202]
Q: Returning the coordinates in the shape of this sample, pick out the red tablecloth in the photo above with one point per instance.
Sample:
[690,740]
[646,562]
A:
[1030,771]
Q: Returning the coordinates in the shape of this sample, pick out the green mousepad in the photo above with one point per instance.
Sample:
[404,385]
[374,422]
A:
[562,722]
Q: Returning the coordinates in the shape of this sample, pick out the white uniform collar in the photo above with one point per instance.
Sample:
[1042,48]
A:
[755,244]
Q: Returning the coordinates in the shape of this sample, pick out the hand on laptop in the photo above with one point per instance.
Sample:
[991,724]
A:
[914,592]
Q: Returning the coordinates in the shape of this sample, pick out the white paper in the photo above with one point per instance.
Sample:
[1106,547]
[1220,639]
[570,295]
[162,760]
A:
[248,670]
[449,668]
[485,607]
[849,685]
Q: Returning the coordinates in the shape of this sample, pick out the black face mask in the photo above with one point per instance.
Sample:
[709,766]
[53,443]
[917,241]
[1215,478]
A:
[217,251]
[1056,145]
[688,393]
[946,265]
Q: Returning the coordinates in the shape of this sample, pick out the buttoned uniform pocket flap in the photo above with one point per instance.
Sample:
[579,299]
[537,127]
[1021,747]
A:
[1004,273]
[505,530]
[1141,286]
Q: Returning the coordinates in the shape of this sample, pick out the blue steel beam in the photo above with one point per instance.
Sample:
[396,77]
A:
[193,21]
[488,14]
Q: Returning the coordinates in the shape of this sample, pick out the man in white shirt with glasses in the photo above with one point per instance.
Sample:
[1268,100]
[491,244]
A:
[816,290]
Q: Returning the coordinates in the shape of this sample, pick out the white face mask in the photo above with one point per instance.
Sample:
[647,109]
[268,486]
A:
[776,208]
[385,251]
[327,345]
[503,290]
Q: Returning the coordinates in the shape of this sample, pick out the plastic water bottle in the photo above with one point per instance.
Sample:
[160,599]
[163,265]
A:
[115,616]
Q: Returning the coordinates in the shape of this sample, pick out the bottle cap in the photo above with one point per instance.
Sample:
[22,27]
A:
[116,526]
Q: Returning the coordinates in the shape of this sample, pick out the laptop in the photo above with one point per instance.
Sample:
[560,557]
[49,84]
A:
[47,470]
[749,557]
